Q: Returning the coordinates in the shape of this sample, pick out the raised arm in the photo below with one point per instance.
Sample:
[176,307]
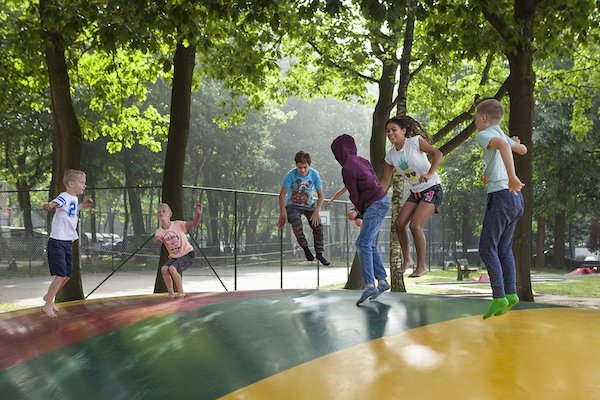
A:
[196,220]
[519,148]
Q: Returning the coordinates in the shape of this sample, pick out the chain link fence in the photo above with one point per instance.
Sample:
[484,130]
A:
[237,243]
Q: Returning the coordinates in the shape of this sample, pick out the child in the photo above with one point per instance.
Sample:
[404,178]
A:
[371,202]
[411,146]
[504,205]
[296,199]
[181,252]
[352,215]
[63,233]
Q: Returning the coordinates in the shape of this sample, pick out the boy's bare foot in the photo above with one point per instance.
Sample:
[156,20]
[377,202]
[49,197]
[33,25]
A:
[180,295]
[47,309]
[172,296]
[53,305]
[418,272]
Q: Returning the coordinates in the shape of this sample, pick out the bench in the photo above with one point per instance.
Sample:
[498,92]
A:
[462,265]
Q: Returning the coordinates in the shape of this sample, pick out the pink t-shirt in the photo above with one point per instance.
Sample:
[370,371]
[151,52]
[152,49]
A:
[175,240]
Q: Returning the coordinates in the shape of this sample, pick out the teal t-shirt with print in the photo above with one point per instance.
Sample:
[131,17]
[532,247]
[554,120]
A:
[494,174]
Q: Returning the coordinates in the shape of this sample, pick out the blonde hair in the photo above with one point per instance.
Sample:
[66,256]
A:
[164,205]
[492,108]
[71,175]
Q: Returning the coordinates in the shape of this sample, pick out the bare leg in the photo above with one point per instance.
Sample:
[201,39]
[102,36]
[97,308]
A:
[164,270]
[400,224]
[49,308]
[178,281]
[421,215]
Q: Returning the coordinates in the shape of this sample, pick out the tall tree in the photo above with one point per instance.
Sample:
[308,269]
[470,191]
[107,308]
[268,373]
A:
[516,26]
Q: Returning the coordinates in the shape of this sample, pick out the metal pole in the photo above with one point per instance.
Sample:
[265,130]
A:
[235,240]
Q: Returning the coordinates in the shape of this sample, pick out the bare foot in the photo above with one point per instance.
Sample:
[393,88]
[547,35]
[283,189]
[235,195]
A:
[53,305]
[172,296]
[180,295]
[47,309]
[405,267]
[418,273]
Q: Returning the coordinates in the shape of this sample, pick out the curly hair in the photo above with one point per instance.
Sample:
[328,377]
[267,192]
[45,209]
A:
[412,126]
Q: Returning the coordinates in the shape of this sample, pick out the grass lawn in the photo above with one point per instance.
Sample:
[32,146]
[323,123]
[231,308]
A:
[11,307]
[566,285]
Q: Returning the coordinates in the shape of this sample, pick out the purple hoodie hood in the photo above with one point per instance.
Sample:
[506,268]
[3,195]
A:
[342,147]
[357,173]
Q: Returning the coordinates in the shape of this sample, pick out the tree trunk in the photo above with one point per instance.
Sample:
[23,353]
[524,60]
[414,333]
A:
[397,279]
[179,129]
[68,132]
[558,251]
[465,230]
[377,147]
[381,115]
[255,209]
[135,204]
[540,260]
[521,84]
[24,199]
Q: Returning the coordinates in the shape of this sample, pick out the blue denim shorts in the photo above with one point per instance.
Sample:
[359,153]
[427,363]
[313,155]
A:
[60,257]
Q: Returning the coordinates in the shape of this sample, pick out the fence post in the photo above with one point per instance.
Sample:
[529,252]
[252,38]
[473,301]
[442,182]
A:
[235,240]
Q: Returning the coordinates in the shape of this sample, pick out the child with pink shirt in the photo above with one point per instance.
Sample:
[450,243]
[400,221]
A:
[181,253]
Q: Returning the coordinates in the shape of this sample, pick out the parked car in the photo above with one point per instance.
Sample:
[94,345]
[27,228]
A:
[23,244]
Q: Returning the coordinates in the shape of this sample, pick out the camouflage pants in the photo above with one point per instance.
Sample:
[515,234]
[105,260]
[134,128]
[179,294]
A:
[294,215]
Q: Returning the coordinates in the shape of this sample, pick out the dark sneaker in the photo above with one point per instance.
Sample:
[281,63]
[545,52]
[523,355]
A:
[322,259]
[382,287]
[308,254]
[369,291]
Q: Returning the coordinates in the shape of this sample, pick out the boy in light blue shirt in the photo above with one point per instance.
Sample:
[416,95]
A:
[504,205]
[296,199]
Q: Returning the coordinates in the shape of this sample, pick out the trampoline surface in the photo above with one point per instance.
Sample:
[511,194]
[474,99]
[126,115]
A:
[299,344]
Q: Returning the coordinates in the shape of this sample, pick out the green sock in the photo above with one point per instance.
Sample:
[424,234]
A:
[497,305]
[513,300]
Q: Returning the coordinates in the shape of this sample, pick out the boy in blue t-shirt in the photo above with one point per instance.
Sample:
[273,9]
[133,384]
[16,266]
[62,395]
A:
[296,199]
[504,205]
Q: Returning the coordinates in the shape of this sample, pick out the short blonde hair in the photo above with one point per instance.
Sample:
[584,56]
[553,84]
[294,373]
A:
[165,205]
[492,108]
[71,175]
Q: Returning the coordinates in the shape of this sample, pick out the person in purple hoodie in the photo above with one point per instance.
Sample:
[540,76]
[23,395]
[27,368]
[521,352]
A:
[370,201]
